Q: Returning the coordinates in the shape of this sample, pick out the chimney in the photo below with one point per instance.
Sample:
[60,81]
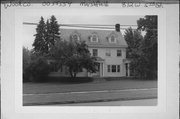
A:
[117,27]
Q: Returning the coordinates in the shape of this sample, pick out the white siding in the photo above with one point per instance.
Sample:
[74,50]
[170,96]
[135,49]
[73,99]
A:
[112,60]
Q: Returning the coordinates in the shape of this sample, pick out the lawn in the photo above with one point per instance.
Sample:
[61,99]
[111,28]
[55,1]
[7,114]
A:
[59,87]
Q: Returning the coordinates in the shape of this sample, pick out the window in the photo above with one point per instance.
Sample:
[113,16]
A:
[94,38]
[109,68]
[119,53]
[112,39]
[113,68]
[118,68]
[108,52]
[95,52]
[75,37]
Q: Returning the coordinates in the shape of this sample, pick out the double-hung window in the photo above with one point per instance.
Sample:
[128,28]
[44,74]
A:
[108,52]
[118,68]
[119,53]
[109,68]
[113,68]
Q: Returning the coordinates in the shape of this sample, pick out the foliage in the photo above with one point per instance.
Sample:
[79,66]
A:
[40,37]
[134,40]
[149,45]
[46,35]
[74,55]
[143,50]
[38,70]
[35,67]
[26,62]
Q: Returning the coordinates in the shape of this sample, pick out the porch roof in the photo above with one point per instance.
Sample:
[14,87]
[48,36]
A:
[99,59]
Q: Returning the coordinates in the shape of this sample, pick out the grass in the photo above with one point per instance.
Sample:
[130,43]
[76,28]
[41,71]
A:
[60,85]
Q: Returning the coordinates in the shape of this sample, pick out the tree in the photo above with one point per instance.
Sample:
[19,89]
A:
[38,69]
[40,38]
[46,35]
[143,51]
[74,55]
[149,45]
[26,62]
[134,40]
[53,32]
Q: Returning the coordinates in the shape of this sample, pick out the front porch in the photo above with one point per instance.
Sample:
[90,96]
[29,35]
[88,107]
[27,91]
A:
[100,68]
[127,67]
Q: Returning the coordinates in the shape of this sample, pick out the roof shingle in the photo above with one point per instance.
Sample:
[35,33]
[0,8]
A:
[103,35]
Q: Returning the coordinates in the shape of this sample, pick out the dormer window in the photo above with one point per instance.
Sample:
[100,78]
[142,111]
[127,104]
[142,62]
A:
[75,37]
[94,38]
[112,39]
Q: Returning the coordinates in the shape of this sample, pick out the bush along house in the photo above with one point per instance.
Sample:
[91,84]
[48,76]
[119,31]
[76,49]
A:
[109,48]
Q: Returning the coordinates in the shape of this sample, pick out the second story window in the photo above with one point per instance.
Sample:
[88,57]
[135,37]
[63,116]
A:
[119,53]
[108,52]
[95,52]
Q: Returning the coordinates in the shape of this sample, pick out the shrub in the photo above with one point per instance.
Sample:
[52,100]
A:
[37,70]
[26,62]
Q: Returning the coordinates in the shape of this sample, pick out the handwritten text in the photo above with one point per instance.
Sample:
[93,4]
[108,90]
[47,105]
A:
[16,4]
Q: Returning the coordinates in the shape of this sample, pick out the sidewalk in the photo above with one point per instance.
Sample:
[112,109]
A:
[143,102]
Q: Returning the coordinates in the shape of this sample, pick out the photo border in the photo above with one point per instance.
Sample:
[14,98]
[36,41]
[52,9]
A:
[161,105]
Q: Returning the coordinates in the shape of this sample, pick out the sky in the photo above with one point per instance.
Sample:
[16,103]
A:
[30,30]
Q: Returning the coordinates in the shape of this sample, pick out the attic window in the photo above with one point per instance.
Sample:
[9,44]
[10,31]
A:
[112,39]
[75,37]
[94,38]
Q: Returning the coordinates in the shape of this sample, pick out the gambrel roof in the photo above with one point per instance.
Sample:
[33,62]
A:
[103,37]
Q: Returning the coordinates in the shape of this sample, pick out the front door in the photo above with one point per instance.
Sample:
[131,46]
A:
[98,70]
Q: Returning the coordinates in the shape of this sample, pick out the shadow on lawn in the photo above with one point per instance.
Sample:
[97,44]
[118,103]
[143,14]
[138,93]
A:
[69,80]
[77,80]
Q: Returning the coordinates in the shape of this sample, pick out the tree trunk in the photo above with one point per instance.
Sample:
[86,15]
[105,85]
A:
[73,74]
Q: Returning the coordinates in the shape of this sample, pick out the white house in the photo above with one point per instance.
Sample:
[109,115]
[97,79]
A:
[108,46]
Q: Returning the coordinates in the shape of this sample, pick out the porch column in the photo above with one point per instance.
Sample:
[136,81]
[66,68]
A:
[102,69]
[128,70]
